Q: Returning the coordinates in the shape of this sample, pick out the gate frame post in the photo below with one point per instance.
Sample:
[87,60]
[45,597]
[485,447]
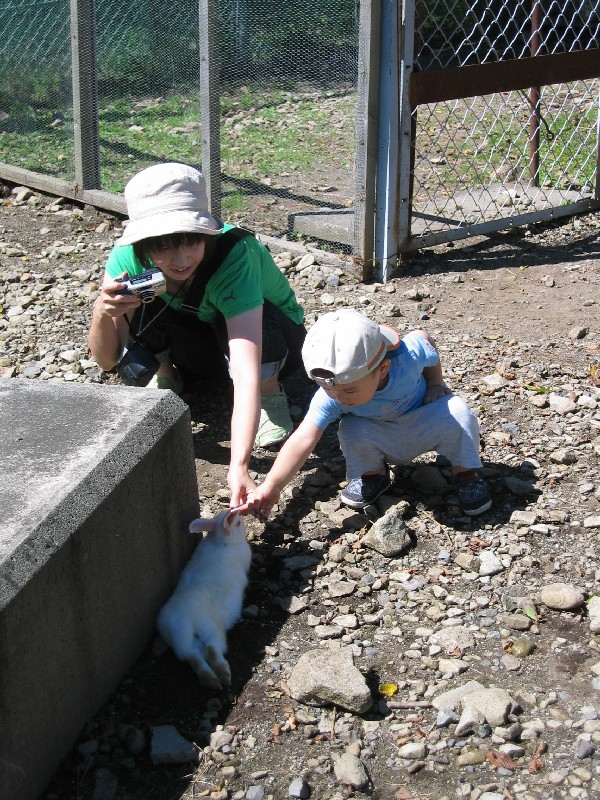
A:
[85,95]
[367,113]
[210,101]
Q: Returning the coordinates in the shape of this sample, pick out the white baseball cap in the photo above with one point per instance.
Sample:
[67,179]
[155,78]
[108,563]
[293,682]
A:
[164,199]
[348,345]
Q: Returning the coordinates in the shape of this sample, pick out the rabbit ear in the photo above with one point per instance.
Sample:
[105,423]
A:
[201,524]
[231,516]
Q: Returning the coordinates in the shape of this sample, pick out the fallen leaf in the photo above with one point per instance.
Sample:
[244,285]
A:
[500,760]
[541,748]
[537,389]
[478,544]
[531,612]
[535,765]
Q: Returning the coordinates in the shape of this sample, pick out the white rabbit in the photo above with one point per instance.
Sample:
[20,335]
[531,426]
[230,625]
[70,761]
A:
[207,601]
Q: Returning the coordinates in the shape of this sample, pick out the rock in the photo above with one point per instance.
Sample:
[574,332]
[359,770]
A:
[299,788]
[493,704]
[523,517]
[562,596]
[450,700]
[561,405]
[521,647]
[593,609]
[517,622]
[470,718]
[564,456]
[350,771]
[106,785]
[584,748]
[169,747]
[489,563]
[429,479]
[293,604]
[323,677]
[453,639]
[413,751]
[471,758]
[389,535]
[519,487]
[578,332]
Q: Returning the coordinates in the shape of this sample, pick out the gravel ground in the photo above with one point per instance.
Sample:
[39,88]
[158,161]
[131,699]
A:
[504,608]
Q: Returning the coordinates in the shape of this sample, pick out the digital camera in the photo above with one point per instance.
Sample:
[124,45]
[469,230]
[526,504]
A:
[146,286]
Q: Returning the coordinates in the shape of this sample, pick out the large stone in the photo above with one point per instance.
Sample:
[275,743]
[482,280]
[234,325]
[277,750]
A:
[562,596]
[329,677]
[389,535]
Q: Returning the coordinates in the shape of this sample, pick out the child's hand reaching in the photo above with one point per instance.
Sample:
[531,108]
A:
[435,391]
[261,502]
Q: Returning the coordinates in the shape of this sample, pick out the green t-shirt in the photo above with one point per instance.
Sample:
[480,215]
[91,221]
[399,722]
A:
[245,279]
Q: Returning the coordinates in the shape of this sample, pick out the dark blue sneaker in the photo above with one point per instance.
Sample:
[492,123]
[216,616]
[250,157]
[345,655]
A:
[363,491]
[473,494]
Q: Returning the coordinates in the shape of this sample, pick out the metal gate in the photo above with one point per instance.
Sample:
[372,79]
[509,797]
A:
[497,119]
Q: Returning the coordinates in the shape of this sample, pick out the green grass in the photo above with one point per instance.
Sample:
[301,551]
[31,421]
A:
[269,132]
[264,133]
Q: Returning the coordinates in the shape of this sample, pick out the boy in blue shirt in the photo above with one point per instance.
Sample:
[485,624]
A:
[393,405]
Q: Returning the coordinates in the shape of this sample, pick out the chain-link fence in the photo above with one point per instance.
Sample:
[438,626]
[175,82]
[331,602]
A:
[500,158]
[264,97]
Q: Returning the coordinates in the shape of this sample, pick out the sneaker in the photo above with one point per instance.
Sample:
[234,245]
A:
[363,491]
[172,382]
[275,423]
[473,493]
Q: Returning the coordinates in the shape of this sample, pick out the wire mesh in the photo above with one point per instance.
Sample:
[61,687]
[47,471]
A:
[288,76]
[288,93]
[501,155]
[35,86]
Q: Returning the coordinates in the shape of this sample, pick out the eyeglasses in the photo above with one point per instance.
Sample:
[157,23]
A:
[327,383]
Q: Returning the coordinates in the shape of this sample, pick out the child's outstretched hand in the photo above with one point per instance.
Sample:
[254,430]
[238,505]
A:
[261,502]
[435,391]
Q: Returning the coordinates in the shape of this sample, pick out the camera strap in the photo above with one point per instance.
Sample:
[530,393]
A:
[224,245]
[193,297]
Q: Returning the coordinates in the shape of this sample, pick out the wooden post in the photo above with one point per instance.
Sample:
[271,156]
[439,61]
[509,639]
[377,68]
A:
[85,95]
[210,105]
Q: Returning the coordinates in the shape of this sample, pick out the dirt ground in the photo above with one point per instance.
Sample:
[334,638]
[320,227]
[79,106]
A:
[520,309]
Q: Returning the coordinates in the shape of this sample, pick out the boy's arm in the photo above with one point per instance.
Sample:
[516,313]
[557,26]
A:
[434,377]
[291,457]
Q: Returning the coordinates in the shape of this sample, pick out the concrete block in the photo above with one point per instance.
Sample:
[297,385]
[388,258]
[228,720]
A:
[97,487]
[326,224]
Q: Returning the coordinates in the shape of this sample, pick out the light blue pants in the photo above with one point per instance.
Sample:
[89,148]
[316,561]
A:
[447,426]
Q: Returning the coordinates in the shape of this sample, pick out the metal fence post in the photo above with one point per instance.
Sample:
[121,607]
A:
[407,125]
[210,110]
[366,134]
[597,182]
[387,193]
[85,95]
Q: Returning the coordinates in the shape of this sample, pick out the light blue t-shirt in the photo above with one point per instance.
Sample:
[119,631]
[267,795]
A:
[404,391]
